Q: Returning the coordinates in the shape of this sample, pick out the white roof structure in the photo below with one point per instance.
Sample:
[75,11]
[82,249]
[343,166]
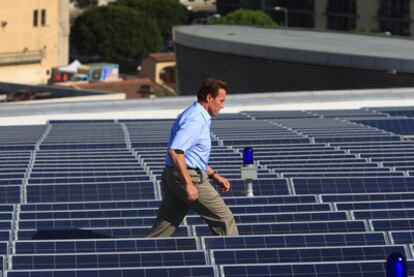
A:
[39,112]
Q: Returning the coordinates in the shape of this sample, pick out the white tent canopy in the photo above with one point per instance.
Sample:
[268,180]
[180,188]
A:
[71,68]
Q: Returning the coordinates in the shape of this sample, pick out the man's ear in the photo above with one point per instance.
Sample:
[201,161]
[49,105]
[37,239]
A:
[209,97]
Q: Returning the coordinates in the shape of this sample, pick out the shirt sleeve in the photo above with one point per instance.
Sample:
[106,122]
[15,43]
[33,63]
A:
[186,136]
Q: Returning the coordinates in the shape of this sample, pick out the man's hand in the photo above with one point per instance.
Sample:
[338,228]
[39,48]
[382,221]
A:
[223,182]
[192,192]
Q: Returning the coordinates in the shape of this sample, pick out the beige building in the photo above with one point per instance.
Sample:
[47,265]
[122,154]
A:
[392,16]
[200,5]
[34,37]
[160,68]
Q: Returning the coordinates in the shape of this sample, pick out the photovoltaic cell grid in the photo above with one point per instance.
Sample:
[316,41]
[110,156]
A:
[395,111]
[76,160]
[352,185]
[326,269]
[197,271]
[396,126]
[296,240]
[103,246]
[309,254]
[108,260]
[87,162]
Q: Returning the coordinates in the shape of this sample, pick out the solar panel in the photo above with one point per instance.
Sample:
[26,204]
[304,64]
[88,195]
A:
[403,112]
[392,224]
[10,194]
[151,203]
[308,254]
[91,199]
[17,147]
[359,139]
[193,271]
[342,174]
[70,122]
[4,247]
[252,142]
[45,224]
[279,114]
[295,240]
[108,260]
[379,214]
[79,146]
[290,228]
[93,233]
[352,185]
[89,192]
[5,235]
[6,216]
[270,199]
[372,205]
[397,126]
[95,179]
[346,113]
[261,187]
[402,237]
[6,225]
[105,245]
[323,165]
[280,208]
[285,217]
[314,269]
[362,197]
[6,208]
[125,204]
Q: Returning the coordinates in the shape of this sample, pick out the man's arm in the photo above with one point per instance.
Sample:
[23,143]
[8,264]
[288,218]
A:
[223,182]
[178,161]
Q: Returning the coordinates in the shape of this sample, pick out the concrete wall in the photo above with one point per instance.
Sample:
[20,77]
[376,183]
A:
[367,11]
[320,13]
[412,17]
[26,74]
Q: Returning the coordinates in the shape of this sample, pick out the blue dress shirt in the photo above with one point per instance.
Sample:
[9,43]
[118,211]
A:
[191,134]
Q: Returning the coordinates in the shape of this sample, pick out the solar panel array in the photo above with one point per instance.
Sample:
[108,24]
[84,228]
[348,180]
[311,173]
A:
[334,197]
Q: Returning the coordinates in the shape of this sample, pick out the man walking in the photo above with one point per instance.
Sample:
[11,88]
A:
[185,182]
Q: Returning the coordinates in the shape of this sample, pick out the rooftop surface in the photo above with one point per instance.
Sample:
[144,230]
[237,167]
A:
[320,47]
[330,42]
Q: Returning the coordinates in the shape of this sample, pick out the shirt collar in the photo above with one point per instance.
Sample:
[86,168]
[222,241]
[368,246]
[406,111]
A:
[203,111]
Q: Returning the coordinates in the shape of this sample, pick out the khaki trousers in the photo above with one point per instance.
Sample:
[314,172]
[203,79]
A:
[174,206]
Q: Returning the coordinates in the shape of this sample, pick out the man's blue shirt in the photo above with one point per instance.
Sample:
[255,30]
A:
[191,134]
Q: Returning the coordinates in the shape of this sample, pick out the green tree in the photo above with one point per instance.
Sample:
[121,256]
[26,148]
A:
[117,34]
[84,4]
[167,13]
[245,17]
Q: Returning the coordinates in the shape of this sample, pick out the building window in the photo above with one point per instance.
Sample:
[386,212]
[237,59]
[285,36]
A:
[300,12]
[394,17]
[35,18]
[342,6]
[43,18]
[341,15]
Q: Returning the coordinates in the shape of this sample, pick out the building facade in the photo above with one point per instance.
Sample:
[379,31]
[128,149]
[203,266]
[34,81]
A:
[34,37]
[393,16]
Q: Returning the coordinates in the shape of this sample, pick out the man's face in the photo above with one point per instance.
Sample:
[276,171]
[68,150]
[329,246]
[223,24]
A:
[216,104]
